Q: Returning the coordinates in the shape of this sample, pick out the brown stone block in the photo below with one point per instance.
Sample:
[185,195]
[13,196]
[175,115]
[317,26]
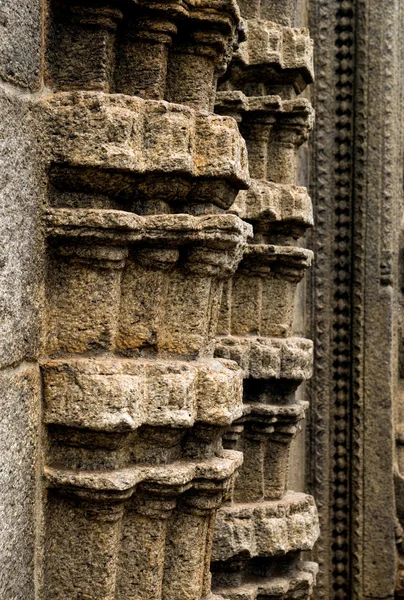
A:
[279,57]
[168,291]
[275,209]
[266,529]
[118,394]
[268,358]
[117,145]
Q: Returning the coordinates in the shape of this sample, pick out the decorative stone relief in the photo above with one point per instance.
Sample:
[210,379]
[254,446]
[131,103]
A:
[262,528]
[138,250]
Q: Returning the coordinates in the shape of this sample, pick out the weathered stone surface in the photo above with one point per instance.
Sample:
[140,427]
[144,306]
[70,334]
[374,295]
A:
[267,358]
[21,43]
[117,145]
[122,394]
[259,300]
[264,434]
[21,196]
[19,481]
[266,529]
[274,54]
[275,208]
[298,583]
[148,49]
[141,427]
[259,305]
[168,288]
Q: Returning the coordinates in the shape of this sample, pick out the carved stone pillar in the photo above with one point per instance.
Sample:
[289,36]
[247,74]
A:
[262,529]
[139,247]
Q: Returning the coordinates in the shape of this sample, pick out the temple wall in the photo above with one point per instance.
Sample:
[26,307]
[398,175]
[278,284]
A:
[22,194]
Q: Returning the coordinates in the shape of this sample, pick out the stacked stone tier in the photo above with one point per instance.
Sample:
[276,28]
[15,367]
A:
[265,529]
[134,402]
[268,358]
[273,58]
[275,209]
[274,130]
[152,156]
[259,299]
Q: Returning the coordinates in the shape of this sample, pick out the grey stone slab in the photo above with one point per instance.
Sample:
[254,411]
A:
[19,436]
[20,42]
[21,188]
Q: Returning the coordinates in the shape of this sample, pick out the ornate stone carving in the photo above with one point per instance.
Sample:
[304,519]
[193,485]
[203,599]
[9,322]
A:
[138,251]
[261,521]
[357,196]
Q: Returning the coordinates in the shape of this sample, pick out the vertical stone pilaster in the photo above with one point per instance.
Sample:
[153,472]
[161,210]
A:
[139,248]
[256,323]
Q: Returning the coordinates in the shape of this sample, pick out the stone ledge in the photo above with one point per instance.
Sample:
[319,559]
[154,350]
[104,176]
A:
[266,529]
[118,394]
[124,481]
[268,358]
[218,232]
[282,419]
[117,145]
[297,583]
[286,262]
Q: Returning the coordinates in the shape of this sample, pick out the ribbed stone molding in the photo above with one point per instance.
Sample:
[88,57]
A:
[261,521]
[139,248]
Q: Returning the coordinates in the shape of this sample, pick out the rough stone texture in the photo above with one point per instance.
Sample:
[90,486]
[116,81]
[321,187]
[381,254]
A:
[298,583]
[19,478]
[135,405]
[21,43]
[273,58]
[132,425]
[21,196]
[266,528]
[261,521]
[117,145]
[22,193]
[357,196]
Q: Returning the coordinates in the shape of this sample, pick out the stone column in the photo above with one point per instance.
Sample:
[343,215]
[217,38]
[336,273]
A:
[262,529]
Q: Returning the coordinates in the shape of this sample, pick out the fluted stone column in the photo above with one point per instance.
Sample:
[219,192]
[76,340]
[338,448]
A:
[263,527]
